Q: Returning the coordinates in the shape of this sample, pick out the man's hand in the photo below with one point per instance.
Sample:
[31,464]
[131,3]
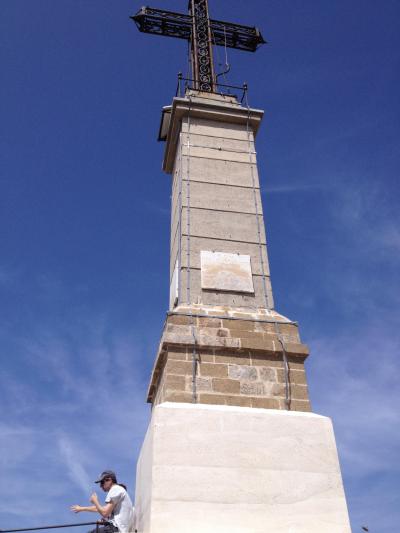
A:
[94,499]
[76,508]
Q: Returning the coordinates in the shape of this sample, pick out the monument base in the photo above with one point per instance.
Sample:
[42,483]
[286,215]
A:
[227,469]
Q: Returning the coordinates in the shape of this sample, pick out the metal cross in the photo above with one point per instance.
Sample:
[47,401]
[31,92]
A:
[202,33]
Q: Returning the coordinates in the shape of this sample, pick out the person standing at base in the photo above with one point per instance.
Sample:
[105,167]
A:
[117,510]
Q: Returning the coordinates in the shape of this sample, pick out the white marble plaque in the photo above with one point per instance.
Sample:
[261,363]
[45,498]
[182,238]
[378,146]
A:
[226,272]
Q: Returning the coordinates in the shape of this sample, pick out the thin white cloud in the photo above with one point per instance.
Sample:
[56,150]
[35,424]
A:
[72,458]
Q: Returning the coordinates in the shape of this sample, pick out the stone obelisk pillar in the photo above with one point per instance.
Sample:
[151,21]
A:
[232,444]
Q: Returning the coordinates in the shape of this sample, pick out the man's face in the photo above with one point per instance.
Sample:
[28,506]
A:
[106,484]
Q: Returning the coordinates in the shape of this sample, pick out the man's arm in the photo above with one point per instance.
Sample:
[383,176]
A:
[79,509]
[104,510]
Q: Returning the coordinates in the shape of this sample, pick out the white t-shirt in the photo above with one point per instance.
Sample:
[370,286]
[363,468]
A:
[122,515]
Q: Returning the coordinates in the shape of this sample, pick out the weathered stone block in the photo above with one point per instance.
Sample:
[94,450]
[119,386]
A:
[274,389]
[265,403]
[172,381]
[297,377]
[299,405]
[267,373]
[295,364]
[217,342]
[212,399]
[178,328]
[253,334]
[244,372]
[182,335]
[180,355]
[241,358]
[252,388]
[214,370]
[299,392]
[208,332]
[267,360]
[227,386]
[257,343]
[202,384]
[209,322]
[212,332]
[240,401]
[205,356]
[178,367]
[177,396]
[241,325]
[264,327]
[173,338]
[297,349]
[180,320]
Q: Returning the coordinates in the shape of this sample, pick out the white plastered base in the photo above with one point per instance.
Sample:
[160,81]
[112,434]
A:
[227,469]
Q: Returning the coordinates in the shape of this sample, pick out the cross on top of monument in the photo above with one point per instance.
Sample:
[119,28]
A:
[202,33]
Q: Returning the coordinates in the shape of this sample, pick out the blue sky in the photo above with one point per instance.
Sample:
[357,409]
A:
[84,237]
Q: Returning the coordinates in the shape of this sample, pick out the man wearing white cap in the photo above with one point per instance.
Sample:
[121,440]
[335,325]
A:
[117,510]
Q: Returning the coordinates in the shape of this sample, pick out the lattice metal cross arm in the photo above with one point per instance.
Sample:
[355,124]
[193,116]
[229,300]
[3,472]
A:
[161,22]
[171,24]
[236,35]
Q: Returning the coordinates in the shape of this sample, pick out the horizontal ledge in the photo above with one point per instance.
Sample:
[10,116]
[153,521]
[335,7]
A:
[185,207]
[192,235]
[191,156]
[218,149]
[229,317]
[251,187]
[236,344]
[216,136]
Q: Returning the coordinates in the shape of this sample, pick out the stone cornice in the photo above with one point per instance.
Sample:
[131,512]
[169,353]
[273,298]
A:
[223,109]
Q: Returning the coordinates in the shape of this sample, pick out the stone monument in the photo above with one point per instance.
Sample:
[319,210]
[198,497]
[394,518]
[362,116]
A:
[232,445]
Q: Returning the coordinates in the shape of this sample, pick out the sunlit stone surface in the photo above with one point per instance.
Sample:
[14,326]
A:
[229,469]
